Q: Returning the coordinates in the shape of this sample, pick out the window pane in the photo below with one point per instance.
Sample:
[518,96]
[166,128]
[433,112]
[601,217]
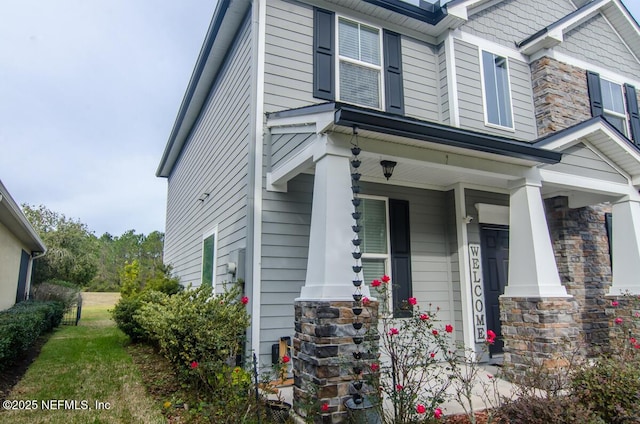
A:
[359,84]
[496,89]
[374,223]
[373,269]
[618,122]
[369,45]
[349,44]
[612,96]
[208,250]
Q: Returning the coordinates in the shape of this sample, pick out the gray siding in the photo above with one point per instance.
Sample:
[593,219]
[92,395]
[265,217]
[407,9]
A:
[286,145]
[470,98]
[214,160]
[511,21]
[581,161]
[430,257]
[288,78]
[421,81]
[595,41]
[286,220]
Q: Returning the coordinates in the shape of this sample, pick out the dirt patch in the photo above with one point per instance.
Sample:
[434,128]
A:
[106,299]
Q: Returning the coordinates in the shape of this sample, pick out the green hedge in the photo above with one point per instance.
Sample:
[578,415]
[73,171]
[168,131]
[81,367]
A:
[22,324]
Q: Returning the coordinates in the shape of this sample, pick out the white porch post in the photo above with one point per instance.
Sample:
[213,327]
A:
[532,266]
[625,246]
[329,267]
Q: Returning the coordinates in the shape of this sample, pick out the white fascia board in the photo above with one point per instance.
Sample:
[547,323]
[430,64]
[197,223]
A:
[592,185]
[485,44]
[321,121]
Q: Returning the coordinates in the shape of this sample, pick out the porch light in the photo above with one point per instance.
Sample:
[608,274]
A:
[387,168]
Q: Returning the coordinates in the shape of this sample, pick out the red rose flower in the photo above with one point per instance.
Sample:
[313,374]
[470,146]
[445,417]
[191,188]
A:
[375,283]
[432,354]
[491,336]
[393,332]
[435,332]
[285,359]
[366,301]
[385,279]
[437,413]
[412,301]
[325,407]
[421,409]
[399,387]
[424,317]
[618,320]
[374,367]
[614,303]
[244,300]
[194,365]
[448,328]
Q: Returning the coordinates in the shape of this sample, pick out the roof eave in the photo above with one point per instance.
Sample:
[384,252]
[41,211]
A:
[19,224]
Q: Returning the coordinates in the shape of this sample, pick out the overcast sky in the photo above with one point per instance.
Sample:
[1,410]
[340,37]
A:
[89,90]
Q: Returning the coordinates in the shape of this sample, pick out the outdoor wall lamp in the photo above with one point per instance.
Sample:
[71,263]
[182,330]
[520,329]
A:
[387,168]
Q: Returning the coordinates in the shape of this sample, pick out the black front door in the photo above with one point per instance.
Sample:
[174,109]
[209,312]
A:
[494,241]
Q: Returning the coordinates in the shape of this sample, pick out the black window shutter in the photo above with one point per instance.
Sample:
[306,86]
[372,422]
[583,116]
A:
[394,93]
[400,256]
[323,54]
[595,93]
[634,115]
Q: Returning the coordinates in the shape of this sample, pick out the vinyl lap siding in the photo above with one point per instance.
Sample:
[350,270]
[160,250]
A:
[510,21]
[470,95]
[287,145]
[214,161]
[596,42]
[288,79]
[420,79]
[445,116]
[581,161]
[286,220]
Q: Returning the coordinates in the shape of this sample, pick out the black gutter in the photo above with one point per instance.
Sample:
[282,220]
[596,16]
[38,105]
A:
[427,12]
[372,120]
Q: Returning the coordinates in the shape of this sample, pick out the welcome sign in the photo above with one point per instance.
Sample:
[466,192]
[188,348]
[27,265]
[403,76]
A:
[477,294]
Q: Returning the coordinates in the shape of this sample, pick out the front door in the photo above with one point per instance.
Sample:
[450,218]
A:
[494,241]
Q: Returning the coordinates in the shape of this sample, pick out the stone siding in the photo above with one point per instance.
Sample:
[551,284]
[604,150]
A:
[560,95]
[581,246]
[538,333]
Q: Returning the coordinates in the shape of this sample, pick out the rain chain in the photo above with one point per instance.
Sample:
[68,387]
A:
[357,309]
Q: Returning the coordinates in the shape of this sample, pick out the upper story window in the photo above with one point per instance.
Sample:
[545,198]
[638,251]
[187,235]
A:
[617,103]
[613,105]
[351,65]
[359,65]
[497,94]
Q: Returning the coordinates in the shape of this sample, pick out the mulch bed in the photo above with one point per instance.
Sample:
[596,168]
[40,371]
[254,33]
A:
[12,373]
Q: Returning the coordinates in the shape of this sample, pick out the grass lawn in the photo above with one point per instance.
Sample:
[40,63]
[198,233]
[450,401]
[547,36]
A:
[89,367]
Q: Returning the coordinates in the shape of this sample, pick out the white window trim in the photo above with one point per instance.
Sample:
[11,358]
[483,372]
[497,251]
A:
[624,115]
[385,256]
[379,68]
[211,232]
[483,90]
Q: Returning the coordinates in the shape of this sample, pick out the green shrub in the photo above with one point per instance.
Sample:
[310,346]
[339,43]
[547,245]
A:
[22,324]
[58,290]
[552,410]
[124,313]
[611,387]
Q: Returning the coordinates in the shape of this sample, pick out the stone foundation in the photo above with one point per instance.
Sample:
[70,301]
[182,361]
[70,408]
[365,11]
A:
[537,332]
[323,357]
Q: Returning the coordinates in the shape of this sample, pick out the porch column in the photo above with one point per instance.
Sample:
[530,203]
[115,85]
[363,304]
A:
[329,266]
[625,246]
[532,266]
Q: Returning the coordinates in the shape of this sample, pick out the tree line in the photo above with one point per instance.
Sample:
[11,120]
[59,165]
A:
[77,256]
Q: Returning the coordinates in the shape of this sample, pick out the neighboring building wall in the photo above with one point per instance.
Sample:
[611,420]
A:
[10,255]
[470,97]
[510,21]
[595,41]
[560,95]
[581,247]
[214,160]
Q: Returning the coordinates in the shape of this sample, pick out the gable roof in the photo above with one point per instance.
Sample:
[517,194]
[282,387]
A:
[615,12]
[603,136]
[11,216]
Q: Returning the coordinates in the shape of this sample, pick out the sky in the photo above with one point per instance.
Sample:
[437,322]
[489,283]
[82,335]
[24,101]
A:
[89,91]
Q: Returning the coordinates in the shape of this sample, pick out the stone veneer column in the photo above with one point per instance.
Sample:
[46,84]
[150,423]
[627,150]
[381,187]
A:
[322,345]
[581,245]
[536,312]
